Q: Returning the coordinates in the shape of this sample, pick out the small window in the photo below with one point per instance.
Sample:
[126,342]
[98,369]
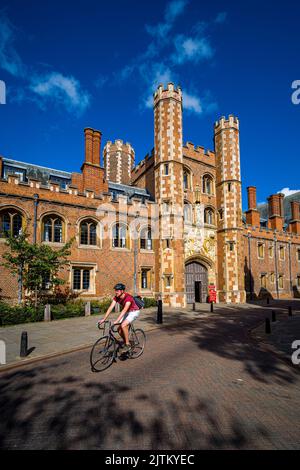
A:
[166,169]
[167,243]
[221,214]
[10,223]
[168,281]
[186,179]
[260,250]
[281,253]
[46,281]
[120,236]
[263,281]
[271,251]
[231,246]
[229,187]
[146,239]
[88,233]
[209,216]
[298,255]
[207,184]
[146,278]
[81,279]
[280,281]
[166,207]
[53,229]
[272,278]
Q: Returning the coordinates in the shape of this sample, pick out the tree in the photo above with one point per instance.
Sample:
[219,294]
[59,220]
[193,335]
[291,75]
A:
[33,263]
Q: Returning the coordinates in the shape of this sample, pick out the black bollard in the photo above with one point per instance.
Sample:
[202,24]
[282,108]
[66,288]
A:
[212,307]
[273,315]
[24,344]
[159,312]
[290,311]
[268,326]
[194,306]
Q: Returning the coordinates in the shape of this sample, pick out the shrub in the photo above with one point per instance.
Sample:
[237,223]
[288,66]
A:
[150,302]
[19,314]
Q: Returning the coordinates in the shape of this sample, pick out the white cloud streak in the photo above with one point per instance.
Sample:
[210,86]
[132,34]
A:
[288,191]
[39,88]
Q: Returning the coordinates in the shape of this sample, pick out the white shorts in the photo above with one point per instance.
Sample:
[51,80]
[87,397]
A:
[130,316]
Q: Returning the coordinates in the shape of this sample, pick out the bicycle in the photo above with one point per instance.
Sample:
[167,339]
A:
[107,348]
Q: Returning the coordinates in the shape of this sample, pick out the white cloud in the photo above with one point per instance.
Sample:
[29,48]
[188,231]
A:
[173,10]
[192,103]
[64,90]
[10,61]
[190,49]
[288,191]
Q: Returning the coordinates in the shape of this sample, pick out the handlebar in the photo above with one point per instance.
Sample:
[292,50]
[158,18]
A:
[102,326]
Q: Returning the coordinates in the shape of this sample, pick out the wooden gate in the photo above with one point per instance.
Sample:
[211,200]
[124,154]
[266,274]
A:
[196,272]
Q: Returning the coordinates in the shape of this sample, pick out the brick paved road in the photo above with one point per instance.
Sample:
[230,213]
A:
[202,386]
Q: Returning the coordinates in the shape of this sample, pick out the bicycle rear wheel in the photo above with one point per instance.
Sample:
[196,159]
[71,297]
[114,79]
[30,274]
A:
[137,340]
[102,354]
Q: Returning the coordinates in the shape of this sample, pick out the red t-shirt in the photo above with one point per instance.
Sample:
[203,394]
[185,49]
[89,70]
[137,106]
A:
[127,298]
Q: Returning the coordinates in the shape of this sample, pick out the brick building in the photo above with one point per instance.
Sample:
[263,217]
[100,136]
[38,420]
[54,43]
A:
[170,226]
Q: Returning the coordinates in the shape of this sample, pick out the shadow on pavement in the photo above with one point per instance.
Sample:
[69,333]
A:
[42,412]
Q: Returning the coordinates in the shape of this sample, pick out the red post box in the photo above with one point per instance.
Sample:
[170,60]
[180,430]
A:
[212,293]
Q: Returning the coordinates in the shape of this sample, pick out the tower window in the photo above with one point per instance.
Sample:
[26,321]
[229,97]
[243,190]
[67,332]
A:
[166,169]
[231,246]
[229,187]
[168,281]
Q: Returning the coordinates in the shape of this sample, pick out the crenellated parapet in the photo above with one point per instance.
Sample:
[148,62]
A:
[167,93]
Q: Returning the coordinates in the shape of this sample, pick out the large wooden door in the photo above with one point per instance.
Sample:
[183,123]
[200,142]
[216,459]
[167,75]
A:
[196,273]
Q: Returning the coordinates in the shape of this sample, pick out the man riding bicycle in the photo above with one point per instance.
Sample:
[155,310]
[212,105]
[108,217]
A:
[130,311]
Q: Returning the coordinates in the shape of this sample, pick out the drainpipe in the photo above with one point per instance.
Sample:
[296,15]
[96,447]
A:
[290,267]
[276,268]
[250,271]
[36,201]
[135,255]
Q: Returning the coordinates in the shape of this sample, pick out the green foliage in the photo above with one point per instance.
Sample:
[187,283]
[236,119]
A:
[150,302]
[16,315]
[33,263]
[100,306]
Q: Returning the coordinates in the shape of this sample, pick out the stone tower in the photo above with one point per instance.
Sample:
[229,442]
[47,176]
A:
[168,176]
[118,161]
[229,212]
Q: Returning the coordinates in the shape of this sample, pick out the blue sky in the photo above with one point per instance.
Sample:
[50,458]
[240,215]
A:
[69,65]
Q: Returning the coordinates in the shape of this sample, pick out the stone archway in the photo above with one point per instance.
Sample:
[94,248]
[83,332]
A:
[196,282]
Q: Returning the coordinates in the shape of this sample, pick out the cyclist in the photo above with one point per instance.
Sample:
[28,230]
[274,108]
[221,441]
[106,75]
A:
[130,311]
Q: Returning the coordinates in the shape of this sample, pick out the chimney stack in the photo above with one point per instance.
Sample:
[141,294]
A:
[294,225]
[92,146]
[276,216]
[252,214]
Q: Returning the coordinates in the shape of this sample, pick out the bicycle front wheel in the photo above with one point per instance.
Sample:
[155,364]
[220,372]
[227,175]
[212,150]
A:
[102,354]
[137,340]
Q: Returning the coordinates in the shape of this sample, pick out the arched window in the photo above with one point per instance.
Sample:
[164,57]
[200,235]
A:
[10,223]
[207,184]
[186,179]
[53,229]
[120,236]
[209,216]
[188,213]
[146,239]
[88,232]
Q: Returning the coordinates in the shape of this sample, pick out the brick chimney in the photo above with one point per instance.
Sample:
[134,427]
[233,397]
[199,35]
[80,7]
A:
[276,216]
[294,225]
[252,214]
[92,176]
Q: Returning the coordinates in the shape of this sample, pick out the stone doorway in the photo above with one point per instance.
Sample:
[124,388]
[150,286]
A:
[196,282]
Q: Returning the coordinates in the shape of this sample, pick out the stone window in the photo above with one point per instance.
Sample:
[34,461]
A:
[298,255]
[10,223]
[272,278]
[53,229]
[280,281]
[186,179]
[229,187]
[145,278]
[168,281]
[271,250]
[188,213]
[81,278]
[88,233]
[260,250]
[167,243]
[207,186]
[231,246]
[281,253]
[167,169]
[120,238]
[263,281]
[46,281]
[146,239]
[209,216]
